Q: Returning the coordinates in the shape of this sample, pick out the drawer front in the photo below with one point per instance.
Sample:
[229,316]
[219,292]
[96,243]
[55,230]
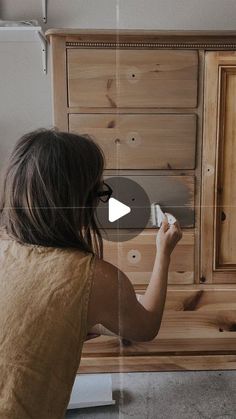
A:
[141,141]
[194,321]
[175,194]
[136,256]
[132,78]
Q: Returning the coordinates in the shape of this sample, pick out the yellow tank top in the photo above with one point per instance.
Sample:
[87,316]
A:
[44,294]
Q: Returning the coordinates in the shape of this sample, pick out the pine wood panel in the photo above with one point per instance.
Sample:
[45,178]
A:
[59,83]
[97,38]
[171,340]
[194,321]
[208,166]
[141,141]
[158,363]
[113,346]
[132,78]
[217,118]
[226,231]
[142,35]
[136,256]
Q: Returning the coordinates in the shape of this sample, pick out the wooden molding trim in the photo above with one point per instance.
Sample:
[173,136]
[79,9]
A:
[154,45]
[166,39]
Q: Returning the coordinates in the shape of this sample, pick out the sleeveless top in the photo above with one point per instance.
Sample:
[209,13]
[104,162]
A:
[44,295]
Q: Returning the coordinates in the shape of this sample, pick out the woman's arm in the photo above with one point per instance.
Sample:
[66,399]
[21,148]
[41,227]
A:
[113,302]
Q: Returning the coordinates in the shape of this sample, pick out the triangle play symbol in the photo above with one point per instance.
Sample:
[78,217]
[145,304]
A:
[117,209]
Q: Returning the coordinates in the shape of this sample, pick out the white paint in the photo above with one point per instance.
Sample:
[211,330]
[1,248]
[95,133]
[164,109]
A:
[26,92]
[157,216]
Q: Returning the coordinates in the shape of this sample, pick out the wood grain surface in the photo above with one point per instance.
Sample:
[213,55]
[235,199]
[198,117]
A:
[158,363]
[226,191]
[60,118]
[165,141]
[133,78]
[136,256]
[218,192]
[195,321]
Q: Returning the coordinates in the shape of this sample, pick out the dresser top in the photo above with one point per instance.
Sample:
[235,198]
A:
[145,38]
[139,32]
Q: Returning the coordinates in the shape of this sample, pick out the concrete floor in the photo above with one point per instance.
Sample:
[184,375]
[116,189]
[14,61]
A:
[177,395]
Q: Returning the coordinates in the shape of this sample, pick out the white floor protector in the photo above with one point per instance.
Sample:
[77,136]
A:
[91,390]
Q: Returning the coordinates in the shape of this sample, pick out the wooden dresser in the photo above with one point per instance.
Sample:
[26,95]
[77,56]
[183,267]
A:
[162,106]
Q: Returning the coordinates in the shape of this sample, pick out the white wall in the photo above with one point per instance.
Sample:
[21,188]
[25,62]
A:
[25,102]
[156,14]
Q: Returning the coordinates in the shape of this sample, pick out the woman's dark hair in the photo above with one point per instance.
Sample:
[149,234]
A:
[50,191]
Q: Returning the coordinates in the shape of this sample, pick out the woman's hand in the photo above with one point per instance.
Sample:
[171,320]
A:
[168,237]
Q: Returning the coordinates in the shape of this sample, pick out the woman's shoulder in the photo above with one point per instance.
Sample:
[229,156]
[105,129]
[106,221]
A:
[66,255]
[105,273]
[102,266]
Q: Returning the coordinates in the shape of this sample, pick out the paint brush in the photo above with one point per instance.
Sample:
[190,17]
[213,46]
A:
[157,215]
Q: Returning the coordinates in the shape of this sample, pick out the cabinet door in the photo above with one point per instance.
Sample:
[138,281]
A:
[219,170]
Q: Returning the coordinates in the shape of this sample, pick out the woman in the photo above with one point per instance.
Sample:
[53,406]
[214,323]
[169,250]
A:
[54,285]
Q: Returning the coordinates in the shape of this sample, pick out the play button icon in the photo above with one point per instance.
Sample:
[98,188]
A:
[126,213]
[117,210]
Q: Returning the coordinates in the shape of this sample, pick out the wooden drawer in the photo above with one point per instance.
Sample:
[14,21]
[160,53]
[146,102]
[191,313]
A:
[141,141]
[132,78]
[194,321]
[175,194]
[136,256]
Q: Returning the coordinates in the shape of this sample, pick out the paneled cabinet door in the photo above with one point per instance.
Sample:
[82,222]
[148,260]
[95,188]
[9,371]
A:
[218,244]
